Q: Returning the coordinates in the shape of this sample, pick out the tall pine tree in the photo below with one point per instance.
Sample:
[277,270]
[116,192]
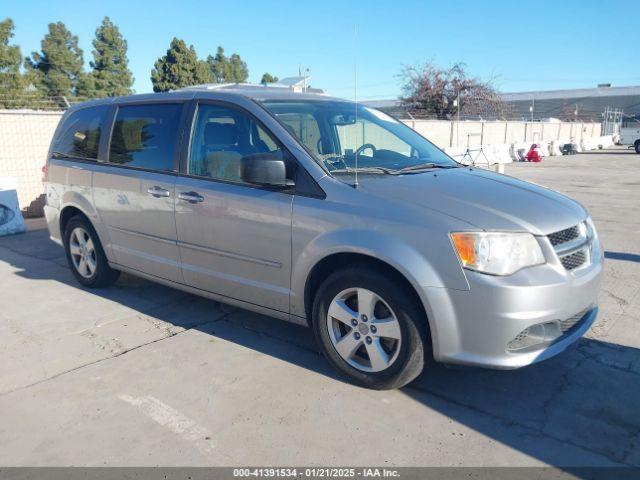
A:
[58,68]
[12,82]
[179,68]
[111,74]
[227,69]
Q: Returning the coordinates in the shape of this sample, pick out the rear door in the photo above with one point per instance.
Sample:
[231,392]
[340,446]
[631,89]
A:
[134,192]
[234,238]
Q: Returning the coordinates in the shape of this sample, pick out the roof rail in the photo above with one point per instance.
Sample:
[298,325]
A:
[217,86]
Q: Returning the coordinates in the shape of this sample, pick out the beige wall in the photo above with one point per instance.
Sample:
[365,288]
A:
[24,142]
[25,137]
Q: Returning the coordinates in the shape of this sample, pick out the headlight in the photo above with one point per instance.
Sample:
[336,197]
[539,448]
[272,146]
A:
[497,253]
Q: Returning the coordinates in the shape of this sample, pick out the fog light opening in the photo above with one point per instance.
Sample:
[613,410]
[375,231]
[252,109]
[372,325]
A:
[535,335]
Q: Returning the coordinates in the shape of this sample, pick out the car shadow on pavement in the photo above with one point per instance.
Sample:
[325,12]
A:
[585,400]
[629,257]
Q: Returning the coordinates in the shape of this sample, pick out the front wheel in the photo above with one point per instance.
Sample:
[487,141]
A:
[637,146]
[370,328]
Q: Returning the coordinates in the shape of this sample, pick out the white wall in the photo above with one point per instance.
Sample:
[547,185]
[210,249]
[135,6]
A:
[24,142]
[465,134]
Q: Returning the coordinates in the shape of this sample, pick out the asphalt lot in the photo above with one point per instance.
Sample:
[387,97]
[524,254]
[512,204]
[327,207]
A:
[140,374]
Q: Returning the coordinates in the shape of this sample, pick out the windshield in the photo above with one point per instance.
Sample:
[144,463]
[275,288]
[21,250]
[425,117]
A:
[342,134]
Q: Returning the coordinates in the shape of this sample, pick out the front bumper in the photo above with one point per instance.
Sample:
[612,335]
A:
[476,326]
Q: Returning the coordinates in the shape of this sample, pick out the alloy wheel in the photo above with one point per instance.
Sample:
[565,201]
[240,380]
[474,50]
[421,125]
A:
[83,252]
[364,330]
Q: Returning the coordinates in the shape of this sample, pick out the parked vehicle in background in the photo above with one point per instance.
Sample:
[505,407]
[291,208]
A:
[569,149]
[325,213]
[630,136]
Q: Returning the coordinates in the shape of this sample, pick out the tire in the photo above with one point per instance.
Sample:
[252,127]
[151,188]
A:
[406,355]
[637,146]
[89,265]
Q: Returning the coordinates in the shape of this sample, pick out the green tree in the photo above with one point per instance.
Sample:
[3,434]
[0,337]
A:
[58,69]
[111,74]
[227,69]
[238,69]
[12,82]
[179,68]
[268,78]
[203,73]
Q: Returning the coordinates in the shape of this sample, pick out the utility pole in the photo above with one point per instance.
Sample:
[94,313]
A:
[456,103]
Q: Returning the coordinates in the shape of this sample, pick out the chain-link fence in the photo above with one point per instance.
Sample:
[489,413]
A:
[35,101]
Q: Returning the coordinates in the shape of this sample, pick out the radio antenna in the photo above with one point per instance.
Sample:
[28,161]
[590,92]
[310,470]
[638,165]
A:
[355,95]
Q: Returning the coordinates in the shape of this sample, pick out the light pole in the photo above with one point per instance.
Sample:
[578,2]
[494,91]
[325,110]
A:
[456,103]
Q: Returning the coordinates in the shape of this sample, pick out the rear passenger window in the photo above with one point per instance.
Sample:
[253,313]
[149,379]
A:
[80,133]
[144,136]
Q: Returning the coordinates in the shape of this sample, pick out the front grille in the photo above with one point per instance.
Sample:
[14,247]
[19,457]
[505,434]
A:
[574,260]
[564,236]
[568,323]
[572,246]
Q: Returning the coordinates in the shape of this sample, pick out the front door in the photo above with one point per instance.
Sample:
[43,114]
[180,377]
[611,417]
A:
[134,192]
[234,239]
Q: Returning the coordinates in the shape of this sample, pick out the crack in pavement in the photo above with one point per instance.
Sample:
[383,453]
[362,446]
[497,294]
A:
[116,355]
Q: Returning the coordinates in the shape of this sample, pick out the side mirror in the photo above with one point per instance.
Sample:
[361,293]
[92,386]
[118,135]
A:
[264,169]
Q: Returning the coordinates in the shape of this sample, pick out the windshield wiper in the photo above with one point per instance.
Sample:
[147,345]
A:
[423,166]
[365,170]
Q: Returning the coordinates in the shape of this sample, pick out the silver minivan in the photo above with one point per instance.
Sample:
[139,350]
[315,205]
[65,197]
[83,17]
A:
[325,213]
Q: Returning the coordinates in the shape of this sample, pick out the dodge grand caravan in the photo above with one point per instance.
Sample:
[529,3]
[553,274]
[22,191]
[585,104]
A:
[325,213]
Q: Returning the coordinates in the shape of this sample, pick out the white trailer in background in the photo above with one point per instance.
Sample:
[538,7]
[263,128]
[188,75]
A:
[630,136]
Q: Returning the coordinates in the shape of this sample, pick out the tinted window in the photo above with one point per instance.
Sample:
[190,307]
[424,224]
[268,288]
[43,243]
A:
[80,133]
[221,137]
[145,136]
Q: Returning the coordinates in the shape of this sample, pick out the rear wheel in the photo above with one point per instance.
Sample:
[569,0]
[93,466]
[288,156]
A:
[637,146]
[85,255]
[369,328]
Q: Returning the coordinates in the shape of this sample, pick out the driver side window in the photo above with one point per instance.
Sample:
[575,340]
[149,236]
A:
[221,137]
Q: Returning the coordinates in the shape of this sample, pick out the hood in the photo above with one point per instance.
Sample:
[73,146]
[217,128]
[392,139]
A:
[488,200]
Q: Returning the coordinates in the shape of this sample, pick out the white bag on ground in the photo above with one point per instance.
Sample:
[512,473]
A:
[11,220]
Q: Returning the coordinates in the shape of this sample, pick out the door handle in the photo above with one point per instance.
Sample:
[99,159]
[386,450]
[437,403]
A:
[158,192]
[191,197]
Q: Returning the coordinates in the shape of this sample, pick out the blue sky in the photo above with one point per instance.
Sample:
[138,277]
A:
[524,45]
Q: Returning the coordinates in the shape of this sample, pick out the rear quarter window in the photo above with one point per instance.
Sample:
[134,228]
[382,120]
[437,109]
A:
[80,133]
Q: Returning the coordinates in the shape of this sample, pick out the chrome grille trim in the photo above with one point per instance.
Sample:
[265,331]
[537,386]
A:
[564,236]
[572,246]
[574,260]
